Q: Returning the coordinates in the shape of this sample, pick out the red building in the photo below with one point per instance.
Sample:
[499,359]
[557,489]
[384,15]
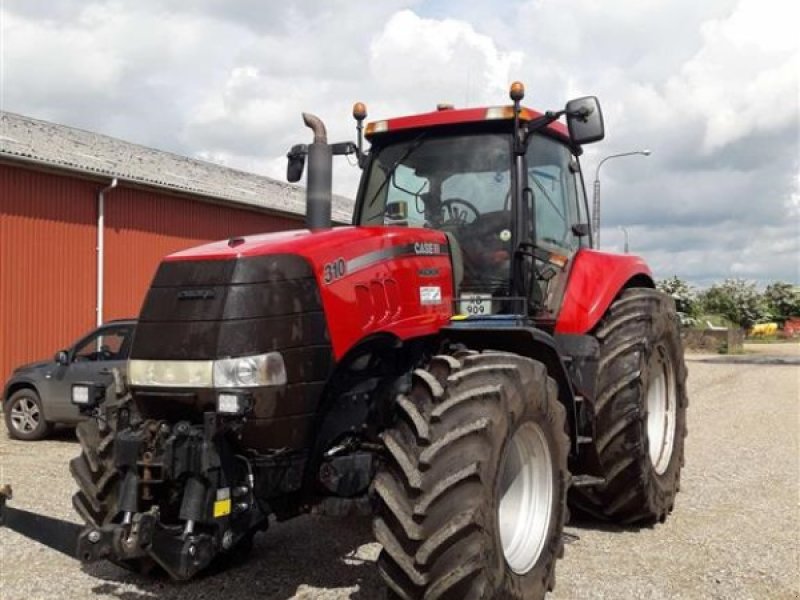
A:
[85,219]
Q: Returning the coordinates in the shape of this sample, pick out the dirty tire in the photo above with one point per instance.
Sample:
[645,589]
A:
[24,416]
[438,494]
[98,480]
[640,354]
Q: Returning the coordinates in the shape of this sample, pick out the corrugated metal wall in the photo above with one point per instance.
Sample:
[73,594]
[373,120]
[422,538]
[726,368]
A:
[142,227]
[47,253]
[47,249]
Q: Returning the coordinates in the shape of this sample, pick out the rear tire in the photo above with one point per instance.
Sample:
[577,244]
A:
[471,503]
[639,412]
[24,416]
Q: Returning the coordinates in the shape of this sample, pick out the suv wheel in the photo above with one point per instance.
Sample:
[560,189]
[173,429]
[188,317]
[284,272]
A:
[24,416]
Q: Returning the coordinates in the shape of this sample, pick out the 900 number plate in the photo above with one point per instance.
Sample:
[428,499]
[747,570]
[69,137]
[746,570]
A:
[476,305]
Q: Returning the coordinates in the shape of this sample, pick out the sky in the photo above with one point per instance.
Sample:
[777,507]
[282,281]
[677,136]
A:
[711,88]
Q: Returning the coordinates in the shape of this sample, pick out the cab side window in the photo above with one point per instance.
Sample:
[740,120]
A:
[555,195]
[582,209]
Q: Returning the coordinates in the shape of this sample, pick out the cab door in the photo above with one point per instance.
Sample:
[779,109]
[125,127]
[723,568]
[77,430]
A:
[553,190]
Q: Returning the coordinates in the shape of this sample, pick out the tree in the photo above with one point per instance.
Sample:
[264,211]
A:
[684,295]
[783,300]
[738,300]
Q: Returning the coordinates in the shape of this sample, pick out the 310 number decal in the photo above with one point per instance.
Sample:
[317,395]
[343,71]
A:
[334,270]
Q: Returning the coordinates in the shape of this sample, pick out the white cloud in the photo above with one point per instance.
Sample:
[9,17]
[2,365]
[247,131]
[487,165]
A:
[415,60]
[711,87]
[744,79]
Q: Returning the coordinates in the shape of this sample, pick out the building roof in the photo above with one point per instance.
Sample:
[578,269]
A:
[40,142]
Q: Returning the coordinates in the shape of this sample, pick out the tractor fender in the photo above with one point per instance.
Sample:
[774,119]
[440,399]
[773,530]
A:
[525,341]
[595,280]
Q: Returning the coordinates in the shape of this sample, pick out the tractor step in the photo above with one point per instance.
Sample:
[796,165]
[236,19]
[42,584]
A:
[587,481]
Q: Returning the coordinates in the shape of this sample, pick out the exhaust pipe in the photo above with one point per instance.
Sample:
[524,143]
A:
[319,182]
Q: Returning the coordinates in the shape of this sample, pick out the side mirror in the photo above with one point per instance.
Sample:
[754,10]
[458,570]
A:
[62,358]
[585,120]
[297,163]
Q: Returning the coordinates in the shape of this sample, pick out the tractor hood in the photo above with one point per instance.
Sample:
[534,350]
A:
[316,246]
[271,292]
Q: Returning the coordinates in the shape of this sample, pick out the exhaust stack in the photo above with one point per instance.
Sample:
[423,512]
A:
[320,168]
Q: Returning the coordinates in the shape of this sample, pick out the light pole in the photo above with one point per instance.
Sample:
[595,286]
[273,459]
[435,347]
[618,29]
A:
[625,231]
[596,199]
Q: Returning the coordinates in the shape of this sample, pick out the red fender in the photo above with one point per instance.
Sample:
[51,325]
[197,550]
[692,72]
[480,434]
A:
[595,280]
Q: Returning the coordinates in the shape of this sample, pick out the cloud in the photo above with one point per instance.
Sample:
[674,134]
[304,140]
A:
[711,88]
[433,60]
[744,78]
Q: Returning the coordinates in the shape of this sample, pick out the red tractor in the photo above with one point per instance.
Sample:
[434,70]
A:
[459,361]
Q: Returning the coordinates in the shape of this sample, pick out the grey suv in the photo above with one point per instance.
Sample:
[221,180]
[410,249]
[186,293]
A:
[37,396]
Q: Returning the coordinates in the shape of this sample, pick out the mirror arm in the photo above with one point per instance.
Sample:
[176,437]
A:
[345,149]
[540,123]
[348,148]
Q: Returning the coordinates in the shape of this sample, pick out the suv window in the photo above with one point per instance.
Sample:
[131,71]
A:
[554,191]
[106,344]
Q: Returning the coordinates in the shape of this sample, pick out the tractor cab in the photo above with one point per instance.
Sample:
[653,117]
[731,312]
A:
[503,183]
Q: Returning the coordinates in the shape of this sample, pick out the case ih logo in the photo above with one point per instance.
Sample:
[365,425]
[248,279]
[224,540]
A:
[196,295]
[427,248]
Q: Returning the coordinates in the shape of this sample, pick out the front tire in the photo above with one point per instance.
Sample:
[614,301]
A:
[98,478]
[471,503]
[639,413]
[24,416]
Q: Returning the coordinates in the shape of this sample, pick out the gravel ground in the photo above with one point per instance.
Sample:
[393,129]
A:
[735,532]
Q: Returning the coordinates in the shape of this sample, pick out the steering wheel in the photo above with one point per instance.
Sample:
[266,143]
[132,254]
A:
[459,216]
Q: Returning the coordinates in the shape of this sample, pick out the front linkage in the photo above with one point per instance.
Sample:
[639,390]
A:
[176,496]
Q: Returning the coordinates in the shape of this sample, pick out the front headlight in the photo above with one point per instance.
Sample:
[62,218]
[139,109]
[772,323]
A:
[250,371]
[171,373]
[245,371]
[233,403]
[88,395]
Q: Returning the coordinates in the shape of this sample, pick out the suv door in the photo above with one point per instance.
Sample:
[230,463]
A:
[90,360]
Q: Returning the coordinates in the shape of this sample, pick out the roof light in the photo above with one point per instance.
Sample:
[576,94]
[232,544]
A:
[377,127]
[444,106]
[499,112]
[517,91]
[359,111]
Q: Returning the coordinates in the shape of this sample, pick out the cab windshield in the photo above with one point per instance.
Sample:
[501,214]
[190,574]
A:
[459,184]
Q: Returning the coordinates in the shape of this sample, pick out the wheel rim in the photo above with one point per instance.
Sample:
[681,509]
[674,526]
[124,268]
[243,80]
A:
[25,415]
[526,497]
[661,412]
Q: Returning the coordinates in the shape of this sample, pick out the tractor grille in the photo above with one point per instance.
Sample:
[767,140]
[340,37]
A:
[208,309]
